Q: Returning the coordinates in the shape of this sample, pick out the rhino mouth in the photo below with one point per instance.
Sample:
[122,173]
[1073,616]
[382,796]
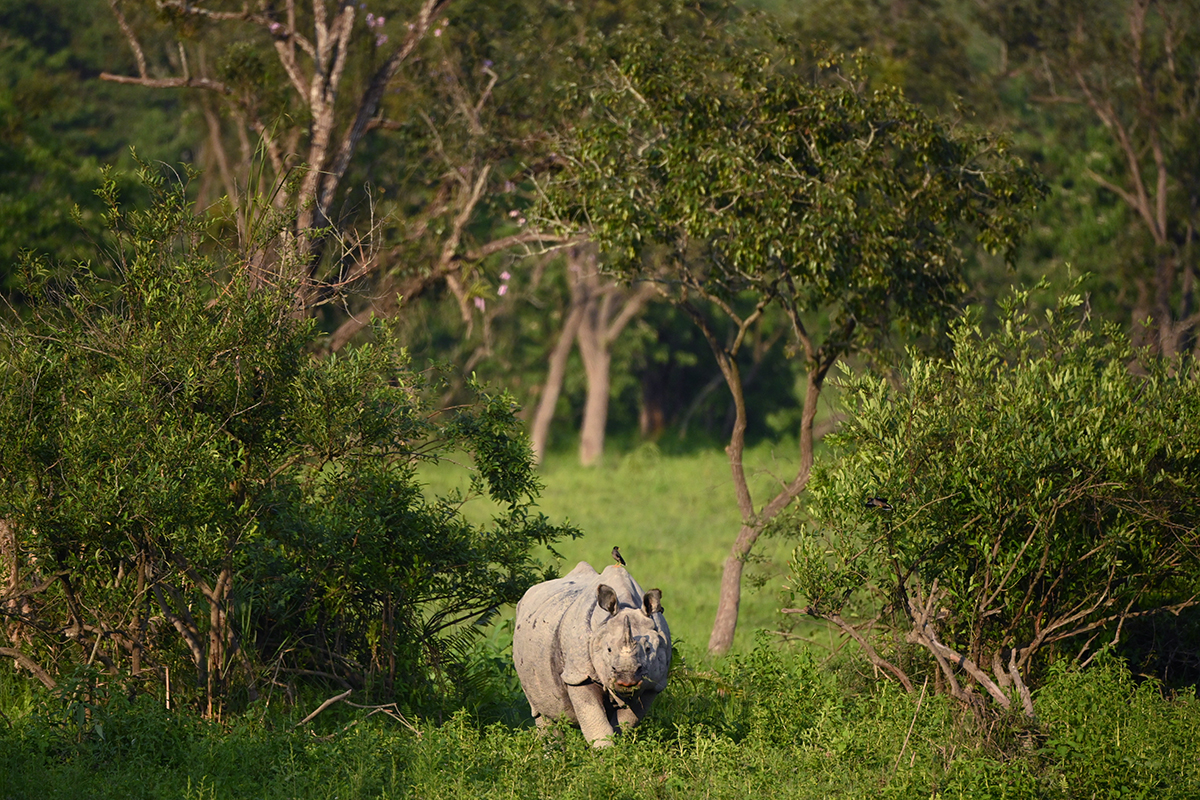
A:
[623,689]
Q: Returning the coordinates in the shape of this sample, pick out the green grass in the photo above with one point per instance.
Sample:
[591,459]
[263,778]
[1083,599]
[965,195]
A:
[762,725]
[764,722]
[674,518]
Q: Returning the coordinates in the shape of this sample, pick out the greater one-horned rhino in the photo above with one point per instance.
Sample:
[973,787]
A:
[592,647]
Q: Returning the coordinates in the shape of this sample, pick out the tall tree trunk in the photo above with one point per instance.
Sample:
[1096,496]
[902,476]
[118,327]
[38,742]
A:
[8,558]
[652,413]
[10,563]
[594,350]
[138,631]
[820,359]
[540,430]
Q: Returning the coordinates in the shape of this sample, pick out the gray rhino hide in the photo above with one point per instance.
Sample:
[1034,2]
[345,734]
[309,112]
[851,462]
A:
[577,660]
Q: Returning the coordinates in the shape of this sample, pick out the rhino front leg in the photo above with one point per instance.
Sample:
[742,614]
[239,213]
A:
[588,702]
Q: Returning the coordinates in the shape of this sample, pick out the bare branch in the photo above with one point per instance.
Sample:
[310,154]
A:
[631,308]
[1108,116]
[169,83]
[134,45]
[368,105]
[525,237]
[322,707]
[854,634]
[1022,689]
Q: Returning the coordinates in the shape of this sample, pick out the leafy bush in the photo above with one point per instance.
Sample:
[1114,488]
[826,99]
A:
[1030,493]
[1111,737]
[189,497]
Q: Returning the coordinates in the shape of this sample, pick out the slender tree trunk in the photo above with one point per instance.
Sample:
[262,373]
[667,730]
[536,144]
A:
[139,623]
[731,579]
[594,350]
[729,601]
[1143,335]
[9,558]
[652,414]
[10,563]
[540,430]
[218,639]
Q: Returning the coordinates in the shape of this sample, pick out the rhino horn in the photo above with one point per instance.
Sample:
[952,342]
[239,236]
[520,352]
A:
[652,602]
[628,636]
[607,598]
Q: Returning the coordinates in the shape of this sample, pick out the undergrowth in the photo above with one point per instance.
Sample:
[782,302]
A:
[763,724]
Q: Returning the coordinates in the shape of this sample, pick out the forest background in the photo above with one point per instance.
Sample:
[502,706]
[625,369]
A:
[429,213]
[1109,134]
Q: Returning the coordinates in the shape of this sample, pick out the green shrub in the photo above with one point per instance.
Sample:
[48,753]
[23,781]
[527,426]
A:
[194,502]
[1025,496]
[1107,736]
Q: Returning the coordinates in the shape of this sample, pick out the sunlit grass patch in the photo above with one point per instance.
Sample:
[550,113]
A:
[674,517]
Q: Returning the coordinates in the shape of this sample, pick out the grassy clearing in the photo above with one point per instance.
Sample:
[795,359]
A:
[674,518]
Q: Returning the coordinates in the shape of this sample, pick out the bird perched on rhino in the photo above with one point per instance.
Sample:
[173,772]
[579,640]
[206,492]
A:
[616,554]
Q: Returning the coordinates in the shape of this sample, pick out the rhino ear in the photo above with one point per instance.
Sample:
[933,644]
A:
[607,598]
[652,602]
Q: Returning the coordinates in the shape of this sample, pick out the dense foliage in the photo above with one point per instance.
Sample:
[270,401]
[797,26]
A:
[797,180]
[1116,82]
[1031,493]
[59,126]
[191,498]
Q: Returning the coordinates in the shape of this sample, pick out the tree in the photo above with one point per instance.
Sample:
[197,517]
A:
[924,46]
[297,90]
[600,309]
[765,182]
[1131,64]
[1025,494]
[189,490]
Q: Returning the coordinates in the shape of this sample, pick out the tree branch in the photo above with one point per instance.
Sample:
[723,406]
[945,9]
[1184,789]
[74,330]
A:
[169,83]
[29,664]
[134,45]
[854,634]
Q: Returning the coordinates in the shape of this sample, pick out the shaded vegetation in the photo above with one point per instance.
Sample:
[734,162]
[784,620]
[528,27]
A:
[764,725]
[188,494]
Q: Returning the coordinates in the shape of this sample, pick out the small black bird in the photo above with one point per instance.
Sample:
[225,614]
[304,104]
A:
[879,502]
[617,555]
